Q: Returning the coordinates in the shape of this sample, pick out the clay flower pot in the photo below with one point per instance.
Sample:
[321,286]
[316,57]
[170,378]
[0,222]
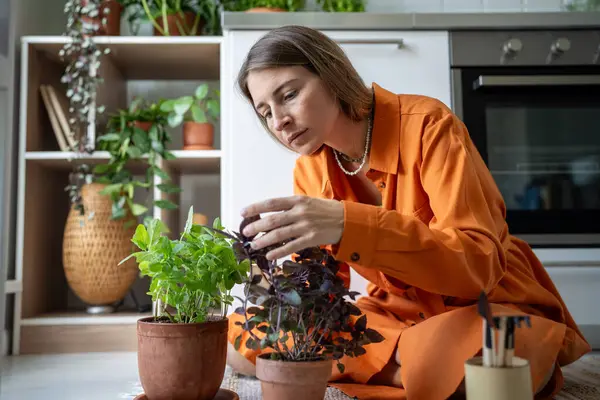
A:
[282,380]
[198,136]
[181,361]
[186,22]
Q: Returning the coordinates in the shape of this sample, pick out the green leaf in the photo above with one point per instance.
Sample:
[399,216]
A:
[292,297]
[138,209]
[110,137]
[141,140]
[110,189]
[201,91]
[102,168]
[161,173]
[157,146]
[140,237]
[166,204]
[189,222]
[198,114]
[237,342]
[174,120]
[134,152]
[168,188]
[341,367]
[167,106]
[183,104]
[213,107]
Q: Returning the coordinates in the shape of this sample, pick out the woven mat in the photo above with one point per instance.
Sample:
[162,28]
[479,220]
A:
[582,382]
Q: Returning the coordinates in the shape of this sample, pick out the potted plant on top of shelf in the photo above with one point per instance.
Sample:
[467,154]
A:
[263,5]
[182,348]
[171,17]
[197,113]
[301,317]
[342,5]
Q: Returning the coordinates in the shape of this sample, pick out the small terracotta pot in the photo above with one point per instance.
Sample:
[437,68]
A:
[181,361]
[282,380]
[186,22]
[143,125]
[198,136]
[265,9]
[113,18]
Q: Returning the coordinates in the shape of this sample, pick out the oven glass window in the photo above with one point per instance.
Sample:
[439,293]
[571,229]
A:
[544,156]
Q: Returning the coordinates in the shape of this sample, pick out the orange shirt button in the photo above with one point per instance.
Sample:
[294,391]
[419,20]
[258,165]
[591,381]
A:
[382,185]
[422,315]
[355,257]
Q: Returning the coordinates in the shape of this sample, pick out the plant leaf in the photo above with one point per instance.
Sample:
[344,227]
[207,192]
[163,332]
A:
[174,119]
[201,91]
[292,297]
[138,209]
[183,104]
[198,114]
[166,204]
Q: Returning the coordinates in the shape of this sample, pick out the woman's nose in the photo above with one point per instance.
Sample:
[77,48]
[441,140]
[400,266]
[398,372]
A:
[281,121]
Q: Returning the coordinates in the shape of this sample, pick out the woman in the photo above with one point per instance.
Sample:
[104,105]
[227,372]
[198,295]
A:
[394,187]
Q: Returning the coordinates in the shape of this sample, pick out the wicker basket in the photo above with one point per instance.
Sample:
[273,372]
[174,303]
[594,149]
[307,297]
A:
[93,248]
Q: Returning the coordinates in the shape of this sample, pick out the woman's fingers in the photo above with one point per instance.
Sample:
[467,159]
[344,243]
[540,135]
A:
[270,223]
[279,235]
[271,205]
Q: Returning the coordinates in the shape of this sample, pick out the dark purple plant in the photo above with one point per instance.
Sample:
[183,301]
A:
[299,308]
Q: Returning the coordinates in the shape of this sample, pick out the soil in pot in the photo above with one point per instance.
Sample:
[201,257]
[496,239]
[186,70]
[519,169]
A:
[297,380]
[198,136]
[113,18]
[181,361]
[179,25]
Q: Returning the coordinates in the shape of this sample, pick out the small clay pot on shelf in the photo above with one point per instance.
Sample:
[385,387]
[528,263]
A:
[198,136]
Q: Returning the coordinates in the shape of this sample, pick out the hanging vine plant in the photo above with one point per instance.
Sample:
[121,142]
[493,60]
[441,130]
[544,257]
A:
[82,56]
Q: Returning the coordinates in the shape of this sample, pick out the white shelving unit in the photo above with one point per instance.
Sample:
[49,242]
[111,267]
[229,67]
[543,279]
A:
[48,318]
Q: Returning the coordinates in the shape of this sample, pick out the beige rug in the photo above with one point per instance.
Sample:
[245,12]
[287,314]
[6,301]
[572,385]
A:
[582,382]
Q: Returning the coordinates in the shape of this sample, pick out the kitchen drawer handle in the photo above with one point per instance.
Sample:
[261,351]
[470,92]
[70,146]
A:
[396,42]
[535,80]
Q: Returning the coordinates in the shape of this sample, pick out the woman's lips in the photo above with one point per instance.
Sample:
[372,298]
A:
[296,136]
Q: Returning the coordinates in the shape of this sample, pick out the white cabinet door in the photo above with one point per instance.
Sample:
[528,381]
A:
[254,167]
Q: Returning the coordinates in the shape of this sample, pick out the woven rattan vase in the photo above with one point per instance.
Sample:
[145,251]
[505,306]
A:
[93,248]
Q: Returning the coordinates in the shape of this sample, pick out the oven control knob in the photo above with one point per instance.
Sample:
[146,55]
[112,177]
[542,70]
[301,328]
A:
[512,46]
[560,46]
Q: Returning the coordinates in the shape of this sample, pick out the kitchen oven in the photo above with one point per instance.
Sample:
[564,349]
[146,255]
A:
[531,102]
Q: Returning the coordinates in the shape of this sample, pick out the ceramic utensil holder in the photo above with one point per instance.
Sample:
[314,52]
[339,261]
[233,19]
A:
[498,383]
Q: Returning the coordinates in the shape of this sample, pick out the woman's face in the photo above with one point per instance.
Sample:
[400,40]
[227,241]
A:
[297,107]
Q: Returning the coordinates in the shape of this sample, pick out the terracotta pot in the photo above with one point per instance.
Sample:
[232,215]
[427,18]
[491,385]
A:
[265,9]
[181,361]
[186,22]
[282,380]
[113,18]
[198,136]
[144,125]
[94,246]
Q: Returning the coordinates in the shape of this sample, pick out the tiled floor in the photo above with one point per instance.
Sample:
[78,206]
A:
[92,376]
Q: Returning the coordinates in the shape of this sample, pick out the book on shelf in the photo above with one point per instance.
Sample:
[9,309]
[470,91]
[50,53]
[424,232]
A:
[57,106]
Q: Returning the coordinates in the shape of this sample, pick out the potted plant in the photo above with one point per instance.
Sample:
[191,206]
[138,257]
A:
[182,348]
[169,17]
[196,112]
[137,134]
[342,5]
[301,318]
[263,5]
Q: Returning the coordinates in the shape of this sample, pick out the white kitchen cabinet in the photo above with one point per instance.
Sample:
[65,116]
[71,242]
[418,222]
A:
[254,167]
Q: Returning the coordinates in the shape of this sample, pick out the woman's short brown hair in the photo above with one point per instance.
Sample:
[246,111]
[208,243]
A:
[294,45]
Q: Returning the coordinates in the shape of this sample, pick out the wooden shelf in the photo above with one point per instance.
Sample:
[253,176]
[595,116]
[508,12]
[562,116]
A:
[83,318]
[187,161]
[150,57]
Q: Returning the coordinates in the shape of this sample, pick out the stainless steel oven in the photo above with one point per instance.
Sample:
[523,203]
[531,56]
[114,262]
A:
[531,102]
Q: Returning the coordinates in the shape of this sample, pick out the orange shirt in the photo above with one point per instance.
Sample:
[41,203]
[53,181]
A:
[437,240]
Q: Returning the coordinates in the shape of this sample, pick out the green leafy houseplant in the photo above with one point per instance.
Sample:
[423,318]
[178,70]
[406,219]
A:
[243,5]
[342,5]
[193,275]
[202,107]
[299,307]
[135,134]
[205,12]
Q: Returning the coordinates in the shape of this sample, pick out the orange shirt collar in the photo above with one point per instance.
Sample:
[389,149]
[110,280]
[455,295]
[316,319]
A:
[385,137]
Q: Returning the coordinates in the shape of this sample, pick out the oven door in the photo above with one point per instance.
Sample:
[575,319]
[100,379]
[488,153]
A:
[539,133]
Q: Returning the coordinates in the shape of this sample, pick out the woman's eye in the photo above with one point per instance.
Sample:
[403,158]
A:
[290,95]
[267,115]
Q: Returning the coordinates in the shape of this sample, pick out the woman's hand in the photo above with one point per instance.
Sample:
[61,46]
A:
[306,221]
